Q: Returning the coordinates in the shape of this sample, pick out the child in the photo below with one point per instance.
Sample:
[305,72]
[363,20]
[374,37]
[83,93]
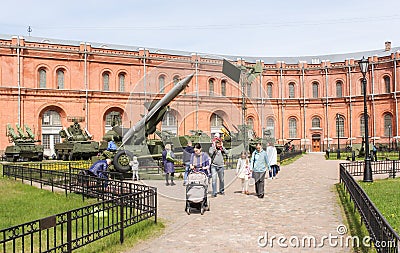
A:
[135,168]
[243,171]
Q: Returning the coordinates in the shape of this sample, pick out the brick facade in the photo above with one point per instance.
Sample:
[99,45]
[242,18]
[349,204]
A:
[98,79]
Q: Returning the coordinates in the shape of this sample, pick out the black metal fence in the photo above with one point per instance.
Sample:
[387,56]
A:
[390,167]
[383,236]
[123,204]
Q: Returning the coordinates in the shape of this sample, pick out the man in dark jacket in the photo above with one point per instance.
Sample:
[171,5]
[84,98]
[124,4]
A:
[187,154]
[99,169]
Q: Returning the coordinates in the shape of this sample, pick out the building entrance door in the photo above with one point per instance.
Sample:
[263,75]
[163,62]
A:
[316,143]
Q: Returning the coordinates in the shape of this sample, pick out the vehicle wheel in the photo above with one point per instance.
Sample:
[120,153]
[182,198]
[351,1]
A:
[121,160]
[64,157]
[59,156]
[40,157]
[70,157]
[9,159]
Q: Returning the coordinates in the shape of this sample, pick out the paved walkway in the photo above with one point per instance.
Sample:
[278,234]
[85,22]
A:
[300,203]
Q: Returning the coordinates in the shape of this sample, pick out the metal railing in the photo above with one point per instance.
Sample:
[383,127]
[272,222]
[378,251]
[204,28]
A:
[383,236]
[390,167]
[123,204]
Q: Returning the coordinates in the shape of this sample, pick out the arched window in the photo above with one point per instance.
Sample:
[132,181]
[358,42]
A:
[249,88]
[339,126]
[161,83]
[106,81]
[211,87]
[316,122]
[339,89]
[223,87]
[387,119]
[176,79]
[216,121]
[60,79]
[51,126]
[113,118]
[292,128]
[315,92]
[291,90]
[269,90]
[270,127]
[250,122]
[121,78]
[386,79]
[169,122]
[42,78]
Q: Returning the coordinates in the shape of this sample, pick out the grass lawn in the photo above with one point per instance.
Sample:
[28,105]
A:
[354,224]
[385,194]
[20,203]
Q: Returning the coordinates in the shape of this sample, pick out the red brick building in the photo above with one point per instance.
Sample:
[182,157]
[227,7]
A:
[46,83]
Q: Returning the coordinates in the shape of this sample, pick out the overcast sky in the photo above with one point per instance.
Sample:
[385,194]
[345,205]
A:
[224,27]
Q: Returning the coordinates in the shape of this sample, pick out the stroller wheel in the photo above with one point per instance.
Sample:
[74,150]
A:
[188,211]
[202,210]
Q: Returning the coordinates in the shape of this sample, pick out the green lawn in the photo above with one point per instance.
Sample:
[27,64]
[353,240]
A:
[385,194]
[20,203]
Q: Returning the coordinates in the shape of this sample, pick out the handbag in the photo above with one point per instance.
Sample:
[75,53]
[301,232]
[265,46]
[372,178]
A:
[252,181]
[169,157]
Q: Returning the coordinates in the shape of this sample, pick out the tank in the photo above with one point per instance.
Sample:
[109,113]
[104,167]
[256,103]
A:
[25,147]
[77,144]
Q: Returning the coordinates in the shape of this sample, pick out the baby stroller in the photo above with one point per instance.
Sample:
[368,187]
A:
[196,192]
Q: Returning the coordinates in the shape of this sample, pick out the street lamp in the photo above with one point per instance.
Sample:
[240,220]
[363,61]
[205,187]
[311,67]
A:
[367,161]
[338,135]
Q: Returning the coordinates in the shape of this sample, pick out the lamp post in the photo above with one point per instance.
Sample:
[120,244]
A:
[367,161]
[338,135]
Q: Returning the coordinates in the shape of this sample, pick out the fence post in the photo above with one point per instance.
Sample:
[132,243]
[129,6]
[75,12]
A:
[121,235]
[69,233]
[394,169]
[41,175]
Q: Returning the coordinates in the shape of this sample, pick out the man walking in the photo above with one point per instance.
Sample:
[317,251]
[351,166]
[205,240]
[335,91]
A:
[216,152]
[272,160]
[259,164]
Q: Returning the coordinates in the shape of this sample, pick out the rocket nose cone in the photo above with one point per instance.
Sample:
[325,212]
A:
[185,81]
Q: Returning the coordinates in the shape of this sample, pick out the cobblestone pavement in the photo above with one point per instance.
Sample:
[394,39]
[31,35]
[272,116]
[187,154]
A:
[300,203]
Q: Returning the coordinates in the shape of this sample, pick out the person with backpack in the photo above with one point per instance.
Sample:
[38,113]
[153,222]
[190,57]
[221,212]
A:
[168,159]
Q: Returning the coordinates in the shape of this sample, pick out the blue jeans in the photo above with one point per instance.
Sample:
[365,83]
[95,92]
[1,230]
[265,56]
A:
[187,169]
[217,170]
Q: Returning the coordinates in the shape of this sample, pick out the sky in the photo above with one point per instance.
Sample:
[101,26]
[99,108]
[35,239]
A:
[225,27]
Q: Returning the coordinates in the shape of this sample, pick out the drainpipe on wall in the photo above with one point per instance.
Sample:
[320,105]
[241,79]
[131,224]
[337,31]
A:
[262,102]
[86,87]
[282,120]
[197,92]
[327,101]
[395,98]
[373,102]
[350,108]
[304,106]
[144,78]
[19,80]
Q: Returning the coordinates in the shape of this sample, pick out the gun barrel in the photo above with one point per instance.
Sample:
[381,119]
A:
[174,92]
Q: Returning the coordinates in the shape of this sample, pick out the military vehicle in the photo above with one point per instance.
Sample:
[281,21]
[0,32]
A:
[77,144]
[24,148]
[134,141]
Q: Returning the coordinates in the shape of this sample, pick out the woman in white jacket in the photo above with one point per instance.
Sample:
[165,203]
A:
[272,160]
[243,171]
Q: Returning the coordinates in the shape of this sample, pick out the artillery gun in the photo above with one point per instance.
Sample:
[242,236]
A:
[77,144]
[24,148]
[134,141]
